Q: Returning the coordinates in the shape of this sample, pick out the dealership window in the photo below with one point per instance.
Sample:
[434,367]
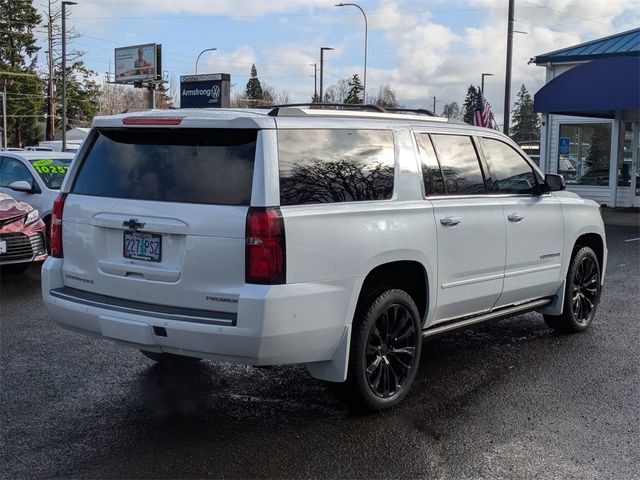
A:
[584,153]
[625,155]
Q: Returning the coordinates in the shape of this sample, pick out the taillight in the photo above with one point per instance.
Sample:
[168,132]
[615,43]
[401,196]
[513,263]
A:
[56,226]
[265,261]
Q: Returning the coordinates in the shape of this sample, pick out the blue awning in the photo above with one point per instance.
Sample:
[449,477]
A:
[597,89]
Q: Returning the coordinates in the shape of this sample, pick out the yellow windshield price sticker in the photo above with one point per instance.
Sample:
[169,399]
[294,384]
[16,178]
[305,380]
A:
[41,163]
[55,169]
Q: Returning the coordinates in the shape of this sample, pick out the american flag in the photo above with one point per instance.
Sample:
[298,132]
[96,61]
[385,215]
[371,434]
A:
[482,116]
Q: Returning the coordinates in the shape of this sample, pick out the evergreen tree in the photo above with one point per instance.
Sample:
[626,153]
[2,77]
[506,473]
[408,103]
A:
[355,87]
[18,56]
[254,92]
[83,92]
[470,102]
[525,122]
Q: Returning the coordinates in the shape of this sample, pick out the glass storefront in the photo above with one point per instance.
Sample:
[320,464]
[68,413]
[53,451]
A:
[625,154]
[584,153]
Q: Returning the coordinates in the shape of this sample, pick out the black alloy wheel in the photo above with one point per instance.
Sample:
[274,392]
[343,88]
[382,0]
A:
[390,354]
[582,293]
[386,342]
[585,290]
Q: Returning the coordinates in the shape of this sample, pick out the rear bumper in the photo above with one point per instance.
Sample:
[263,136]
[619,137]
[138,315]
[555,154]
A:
[298,323]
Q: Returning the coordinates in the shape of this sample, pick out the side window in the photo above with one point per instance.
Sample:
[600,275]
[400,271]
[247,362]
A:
[333,166]
[431,173]
[511,173]
[13,170]
[460,164]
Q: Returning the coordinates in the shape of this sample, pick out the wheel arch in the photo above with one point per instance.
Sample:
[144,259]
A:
[596,243]
[408,275]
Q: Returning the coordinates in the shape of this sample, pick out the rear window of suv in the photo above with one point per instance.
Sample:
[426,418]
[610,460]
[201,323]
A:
[169,165]
[334,166]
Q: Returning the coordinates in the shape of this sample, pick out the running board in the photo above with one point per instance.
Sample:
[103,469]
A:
[502,313]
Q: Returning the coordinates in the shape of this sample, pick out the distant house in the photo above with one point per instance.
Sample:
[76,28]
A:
[590,109]
[77,134]
[75,137]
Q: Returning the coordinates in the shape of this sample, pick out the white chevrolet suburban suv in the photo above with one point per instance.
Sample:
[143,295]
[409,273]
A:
[331,238]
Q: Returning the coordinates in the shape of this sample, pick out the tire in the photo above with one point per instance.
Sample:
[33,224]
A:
[386,343]
[170,358]
[582,294]
[47,233]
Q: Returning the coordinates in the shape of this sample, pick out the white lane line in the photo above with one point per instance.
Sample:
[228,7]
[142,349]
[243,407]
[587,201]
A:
[633,239]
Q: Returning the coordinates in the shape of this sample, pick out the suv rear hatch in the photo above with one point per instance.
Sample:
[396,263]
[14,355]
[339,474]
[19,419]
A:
[157,216]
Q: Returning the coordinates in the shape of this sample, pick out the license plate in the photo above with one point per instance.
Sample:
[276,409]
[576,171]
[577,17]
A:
[3,247]
[142,246]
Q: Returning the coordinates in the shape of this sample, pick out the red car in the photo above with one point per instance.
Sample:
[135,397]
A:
[22,235]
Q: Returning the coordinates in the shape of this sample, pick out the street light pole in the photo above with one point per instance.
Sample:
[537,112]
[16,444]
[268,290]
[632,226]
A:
[64,72]
[366,28]
[198,59]
[482,82]
[322,49]
[507,77]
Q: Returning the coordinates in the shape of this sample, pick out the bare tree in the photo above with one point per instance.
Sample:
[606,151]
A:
[278,97]
[451,110]
[115,98]
[386,97]
[337,93]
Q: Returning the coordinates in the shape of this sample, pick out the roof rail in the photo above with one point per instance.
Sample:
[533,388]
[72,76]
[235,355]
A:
[324,105]
[275,109]
[417,111]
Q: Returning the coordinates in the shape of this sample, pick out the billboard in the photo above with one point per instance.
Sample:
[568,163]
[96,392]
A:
[138,63]
[205,91]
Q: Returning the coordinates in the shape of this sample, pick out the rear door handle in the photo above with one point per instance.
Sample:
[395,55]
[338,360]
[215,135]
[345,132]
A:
[515,217]
[450,221]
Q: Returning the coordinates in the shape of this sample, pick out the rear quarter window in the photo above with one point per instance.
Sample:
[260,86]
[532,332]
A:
[210,166]
[334,166]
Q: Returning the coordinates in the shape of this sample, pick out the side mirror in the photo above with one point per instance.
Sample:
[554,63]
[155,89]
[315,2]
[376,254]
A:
[21,186]
[554,182]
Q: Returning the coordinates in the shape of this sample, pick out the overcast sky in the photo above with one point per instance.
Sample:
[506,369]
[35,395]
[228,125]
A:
[422,48]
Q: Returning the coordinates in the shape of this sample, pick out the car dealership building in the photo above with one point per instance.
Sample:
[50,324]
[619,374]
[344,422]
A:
[590,108]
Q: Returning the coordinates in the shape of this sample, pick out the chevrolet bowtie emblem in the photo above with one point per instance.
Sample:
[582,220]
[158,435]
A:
[133,224]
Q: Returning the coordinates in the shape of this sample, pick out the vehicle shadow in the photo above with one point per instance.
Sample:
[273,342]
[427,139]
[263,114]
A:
[224,420]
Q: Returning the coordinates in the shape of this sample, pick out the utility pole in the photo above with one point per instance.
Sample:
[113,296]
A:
[64,73]
[51,109]
[322,49]
[434,104]
[4,111]
[151,89]
[507,77]
[315,80]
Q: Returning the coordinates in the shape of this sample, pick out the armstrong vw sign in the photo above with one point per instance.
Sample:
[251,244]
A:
[205,91]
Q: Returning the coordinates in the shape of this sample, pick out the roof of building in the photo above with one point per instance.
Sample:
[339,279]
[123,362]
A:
[621,44]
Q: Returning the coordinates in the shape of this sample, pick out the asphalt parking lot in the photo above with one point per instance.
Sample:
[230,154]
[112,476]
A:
[508,399]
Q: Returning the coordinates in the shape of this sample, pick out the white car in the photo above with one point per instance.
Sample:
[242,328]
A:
[333,239]
[34,177]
